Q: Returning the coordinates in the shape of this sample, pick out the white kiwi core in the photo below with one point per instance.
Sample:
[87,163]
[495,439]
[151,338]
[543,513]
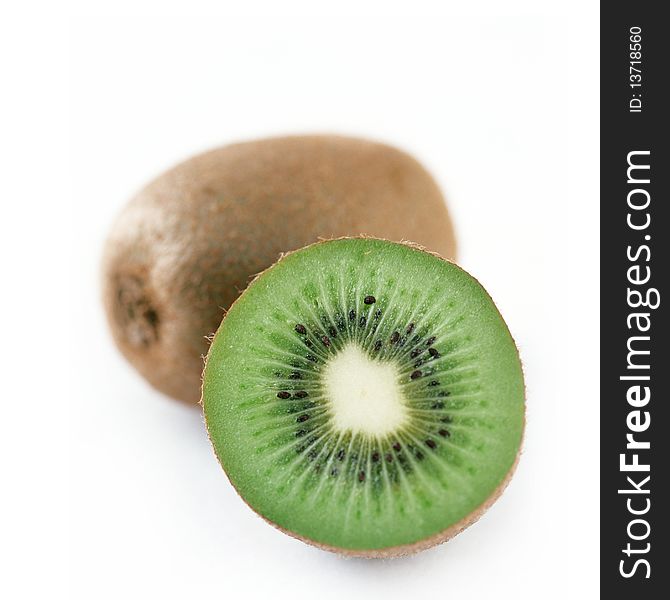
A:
[365,395]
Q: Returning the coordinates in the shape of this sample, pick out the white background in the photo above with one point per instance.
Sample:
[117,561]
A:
[500,106]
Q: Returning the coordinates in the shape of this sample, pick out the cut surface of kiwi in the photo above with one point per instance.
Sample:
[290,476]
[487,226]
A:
[365,396]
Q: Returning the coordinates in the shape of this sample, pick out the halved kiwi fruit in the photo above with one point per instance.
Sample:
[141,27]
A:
[365,396]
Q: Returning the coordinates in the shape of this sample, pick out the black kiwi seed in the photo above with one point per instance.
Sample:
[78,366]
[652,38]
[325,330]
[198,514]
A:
[433,383]
[352,314]
[395,337]
[283,395]
[361,476]
[378,345]
[362,321]
[332,331]
[414,353]
[340,455]
[375,457]
[444,394]
[301,329]
[312,358]
[300,433]
[444,432]
[397,446]
[302,418]
[334,472]
[326,340]
[434,353]
[378,313]
[389,457]
[415,374]
[430,340]
[369,300]
[410,328]
[431,444]
[295,375]
[438,404]
[301,394]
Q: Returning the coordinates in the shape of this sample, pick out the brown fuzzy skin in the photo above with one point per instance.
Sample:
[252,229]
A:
[186,246]
[392,551]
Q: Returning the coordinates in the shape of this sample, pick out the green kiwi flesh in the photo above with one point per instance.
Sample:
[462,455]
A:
[365,396]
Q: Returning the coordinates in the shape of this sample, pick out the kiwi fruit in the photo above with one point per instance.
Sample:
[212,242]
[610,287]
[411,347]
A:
[366,397]
[187,245]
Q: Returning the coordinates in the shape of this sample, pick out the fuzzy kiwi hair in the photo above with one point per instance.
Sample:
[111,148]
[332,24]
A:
[375,318]
[187,244]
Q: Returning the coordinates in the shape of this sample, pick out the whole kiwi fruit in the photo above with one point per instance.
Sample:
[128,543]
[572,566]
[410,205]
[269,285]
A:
[187,244]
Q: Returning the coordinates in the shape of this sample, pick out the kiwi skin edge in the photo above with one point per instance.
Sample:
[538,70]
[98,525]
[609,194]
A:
[392,551]
[185,246]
